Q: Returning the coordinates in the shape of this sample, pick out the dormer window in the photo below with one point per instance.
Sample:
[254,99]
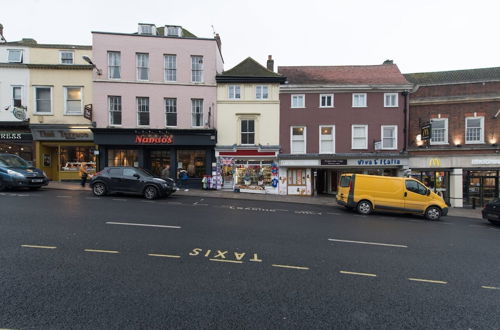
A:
[173,31]
[66,57]
[147,29]
[15,56]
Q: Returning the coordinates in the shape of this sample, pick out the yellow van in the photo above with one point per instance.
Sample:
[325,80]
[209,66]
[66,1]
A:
[367,193]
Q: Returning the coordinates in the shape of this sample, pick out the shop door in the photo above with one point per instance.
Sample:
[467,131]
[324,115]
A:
[482,189]
[160,160]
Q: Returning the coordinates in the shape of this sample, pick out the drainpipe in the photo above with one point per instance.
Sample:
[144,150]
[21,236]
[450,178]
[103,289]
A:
[406,112]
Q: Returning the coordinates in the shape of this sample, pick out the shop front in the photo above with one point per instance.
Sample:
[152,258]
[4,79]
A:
[162,152]
[321,175]
[61,150]
[463,181]
[18,141]
[252,170]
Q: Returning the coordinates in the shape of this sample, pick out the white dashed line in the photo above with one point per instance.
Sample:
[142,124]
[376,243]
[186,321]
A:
[141,225]
[367,243]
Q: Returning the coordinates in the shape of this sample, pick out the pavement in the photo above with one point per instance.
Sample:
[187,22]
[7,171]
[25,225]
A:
[313,200]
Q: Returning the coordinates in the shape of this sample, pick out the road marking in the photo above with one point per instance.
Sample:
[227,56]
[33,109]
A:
[38,246]
[427,281]
[177,203]
[200,204]
[291,267]
[63,196]
[368,243]
[101,251]
[480,226]
[163,255]
[282,210]
[120,199]
[148,201]
[92,198]
[141,225]
[333,213]
[230,261]
[490,287]
[355,273]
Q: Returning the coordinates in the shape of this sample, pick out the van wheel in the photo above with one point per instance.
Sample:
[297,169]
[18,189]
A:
[150,192]
[364,207]
[433,213]
[99,189]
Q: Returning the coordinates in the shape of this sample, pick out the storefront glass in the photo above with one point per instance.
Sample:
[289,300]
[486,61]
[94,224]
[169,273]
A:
[192,161]
[253,175]
[123,157]
[480,187]
[23,150]
[160,162]
[71,158]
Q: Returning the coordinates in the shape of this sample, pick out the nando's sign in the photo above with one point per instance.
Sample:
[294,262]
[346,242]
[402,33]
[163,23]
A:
[153,139]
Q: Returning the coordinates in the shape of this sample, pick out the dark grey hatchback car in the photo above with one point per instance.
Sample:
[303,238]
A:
[131,180]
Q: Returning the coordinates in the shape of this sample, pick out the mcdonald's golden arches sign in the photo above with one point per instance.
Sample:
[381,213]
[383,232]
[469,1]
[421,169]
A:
[435,162]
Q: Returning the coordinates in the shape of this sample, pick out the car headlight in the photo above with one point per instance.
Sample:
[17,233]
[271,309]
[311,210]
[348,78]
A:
[14,173]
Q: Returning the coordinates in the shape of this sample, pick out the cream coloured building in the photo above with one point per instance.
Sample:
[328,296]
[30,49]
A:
[248,127]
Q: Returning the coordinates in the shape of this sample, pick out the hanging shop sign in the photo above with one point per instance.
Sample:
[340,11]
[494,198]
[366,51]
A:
[334,162]
[425,131]
[87,112]
[154,139]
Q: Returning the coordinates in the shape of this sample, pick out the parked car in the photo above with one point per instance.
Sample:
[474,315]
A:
[491,211]
[15,172]
[131,180]
[367,193]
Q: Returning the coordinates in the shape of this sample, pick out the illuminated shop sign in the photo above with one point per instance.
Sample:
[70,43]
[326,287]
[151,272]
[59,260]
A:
[154,139]
[379,161]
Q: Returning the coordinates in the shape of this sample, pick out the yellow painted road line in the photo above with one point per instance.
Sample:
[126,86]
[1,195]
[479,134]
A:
[38,246]
[163,255]
[427,281]
[230,261]
[490,287]
[291,267]
[101,251]
[360,274]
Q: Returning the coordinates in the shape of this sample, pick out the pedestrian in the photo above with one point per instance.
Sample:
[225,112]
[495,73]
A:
[204,182]
[83,174]
[184,180]
[165,173]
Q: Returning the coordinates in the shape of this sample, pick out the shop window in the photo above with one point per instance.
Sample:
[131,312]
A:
[72,158]
[23,150]
[117,157]
[73,100]
[192,161]
[143,111]
[171,112]
[254,175]
[298,140]
[327,142]
[297,177]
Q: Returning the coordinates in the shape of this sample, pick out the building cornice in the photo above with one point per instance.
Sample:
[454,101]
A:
[289,88]
[455,99]
[107,81]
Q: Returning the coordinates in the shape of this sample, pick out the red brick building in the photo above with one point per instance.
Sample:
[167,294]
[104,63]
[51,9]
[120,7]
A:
[336,119]
[461,160]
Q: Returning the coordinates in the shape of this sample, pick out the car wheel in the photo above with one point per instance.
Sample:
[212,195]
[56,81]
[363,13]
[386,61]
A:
[433,213]
[2,186]
[150,192]
[495,222]
[35,188]
[99,189]
[364,207]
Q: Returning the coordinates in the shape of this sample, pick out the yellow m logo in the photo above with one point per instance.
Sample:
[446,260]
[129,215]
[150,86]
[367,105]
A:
[435,162]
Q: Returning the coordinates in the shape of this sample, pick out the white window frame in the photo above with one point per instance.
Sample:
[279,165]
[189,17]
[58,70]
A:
[13,87]
[331,96]
[138,109]
[66,101]
[166,112]
[67,52]
[445,120]
[395,138]
[302,96]
[35,109]
[305,140]
[196,69]
[357,95]
[138,68]
[109,111]
[114,65]
[254,131]
[168,69]
[234,92]
[193,113]
[261,91]
[390,95]
[366,137]
[320,139]
[19,58]
[481,137]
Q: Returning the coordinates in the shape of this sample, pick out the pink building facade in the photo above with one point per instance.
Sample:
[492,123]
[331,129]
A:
[154,102]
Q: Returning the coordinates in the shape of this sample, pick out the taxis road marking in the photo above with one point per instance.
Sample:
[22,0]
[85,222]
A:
[38,246]
[368,243]
[355,273]
[101,251]
[291,267]
[163,255]
[426,281]
[229,261]
[141,225]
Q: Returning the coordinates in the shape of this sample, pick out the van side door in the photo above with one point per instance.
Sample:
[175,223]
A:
[416,198]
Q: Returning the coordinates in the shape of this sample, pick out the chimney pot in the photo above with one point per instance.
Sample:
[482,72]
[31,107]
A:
[270,63]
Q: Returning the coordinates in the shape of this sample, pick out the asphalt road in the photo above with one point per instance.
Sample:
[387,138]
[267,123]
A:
[69,260]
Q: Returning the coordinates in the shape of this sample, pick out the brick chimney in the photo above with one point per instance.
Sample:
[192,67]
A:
[388,62]
[218,41]
[270,63]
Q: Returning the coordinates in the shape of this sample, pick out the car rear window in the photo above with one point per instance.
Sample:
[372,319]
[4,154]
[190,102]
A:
[345,181]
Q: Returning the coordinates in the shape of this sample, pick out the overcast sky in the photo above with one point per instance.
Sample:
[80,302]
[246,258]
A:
[420,36]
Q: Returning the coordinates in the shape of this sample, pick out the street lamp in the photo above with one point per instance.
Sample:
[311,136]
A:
[89,61]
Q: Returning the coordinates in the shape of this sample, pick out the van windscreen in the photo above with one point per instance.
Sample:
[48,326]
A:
[345,181]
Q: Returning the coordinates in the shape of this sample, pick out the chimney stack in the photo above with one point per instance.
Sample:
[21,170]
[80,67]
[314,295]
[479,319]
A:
[218,41]
[387,62]
[1,33]
[270,63]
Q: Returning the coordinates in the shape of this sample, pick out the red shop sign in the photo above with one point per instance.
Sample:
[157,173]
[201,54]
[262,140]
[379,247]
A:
[153,139]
